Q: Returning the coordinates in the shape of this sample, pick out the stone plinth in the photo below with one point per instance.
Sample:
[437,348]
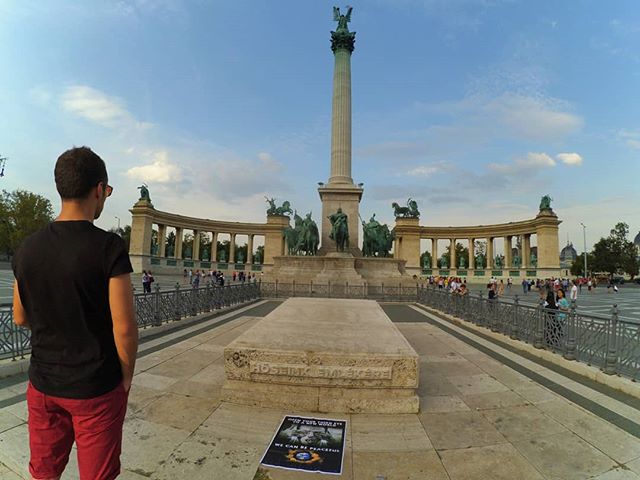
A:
[348,198]
[338,269]
[323,355]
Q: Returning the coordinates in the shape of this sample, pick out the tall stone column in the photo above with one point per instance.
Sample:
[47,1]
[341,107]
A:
[214,246]
[452,253]
[232,248]
[178,247]
[162,240]
[471,258]
[142,215]
[434,253]
[490,252]
[195,251]
[526,250]
[340,191]
[250,250]
[507,251]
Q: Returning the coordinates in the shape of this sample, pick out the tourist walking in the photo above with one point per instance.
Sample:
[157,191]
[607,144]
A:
[146,286]
[84,336]
[574,291]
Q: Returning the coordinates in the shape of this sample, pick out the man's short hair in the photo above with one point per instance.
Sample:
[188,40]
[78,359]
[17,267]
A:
[77,171]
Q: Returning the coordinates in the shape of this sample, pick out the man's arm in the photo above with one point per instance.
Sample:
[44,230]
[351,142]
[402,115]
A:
[125,329]
[19,315]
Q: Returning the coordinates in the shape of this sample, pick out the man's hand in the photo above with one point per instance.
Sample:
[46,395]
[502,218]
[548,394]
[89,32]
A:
[19,315]
[125,329]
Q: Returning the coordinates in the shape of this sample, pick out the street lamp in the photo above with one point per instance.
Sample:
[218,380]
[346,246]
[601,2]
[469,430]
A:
[118,218]
[584,237]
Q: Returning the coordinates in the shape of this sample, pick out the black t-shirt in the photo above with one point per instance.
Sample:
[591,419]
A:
[63,274]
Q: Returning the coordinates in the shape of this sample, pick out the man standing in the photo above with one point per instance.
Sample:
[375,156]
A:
[84,336]
[574,292]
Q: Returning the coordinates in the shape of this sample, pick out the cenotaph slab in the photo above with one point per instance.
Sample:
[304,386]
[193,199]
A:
[323,355]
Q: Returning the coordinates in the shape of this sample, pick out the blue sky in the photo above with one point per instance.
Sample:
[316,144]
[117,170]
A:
[476,108]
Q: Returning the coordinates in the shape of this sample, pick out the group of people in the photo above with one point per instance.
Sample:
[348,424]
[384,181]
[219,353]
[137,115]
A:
[215,277]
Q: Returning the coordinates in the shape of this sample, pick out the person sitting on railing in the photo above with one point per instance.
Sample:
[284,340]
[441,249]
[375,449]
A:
[550,305]
[462,291]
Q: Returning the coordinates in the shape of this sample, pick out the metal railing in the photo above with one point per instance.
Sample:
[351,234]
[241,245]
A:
[151,309]
[609,343]
[606,342]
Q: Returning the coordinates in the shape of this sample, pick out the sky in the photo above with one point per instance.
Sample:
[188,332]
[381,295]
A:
[474,108]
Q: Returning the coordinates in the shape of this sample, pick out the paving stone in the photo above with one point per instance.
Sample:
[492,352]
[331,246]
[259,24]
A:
[495,462]
[608,438]
[520,422]
[14,449]
[474,384]
[184,365]
[634,465]
[18,409]
[282,474]
[145,445]
[140,397]
[8,420]
[484,401]
[536,394]
[431,384]
[154,382]
[213,374]
[460,430]
[418,465]
[564,411]
[178,411]
[442,403]
[450,368]
[618,473]
[388,433]
[564,456]
[207,391]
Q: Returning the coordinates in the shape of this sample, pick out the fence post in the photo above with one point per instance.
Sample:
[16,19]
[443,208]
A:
[177,314]
[311,288]
[570,344]
[260,288]
[382,292]
[329,283]
[156,306]
[611,360]
[293,293]
[276,290]
[194,300]
[514,324]
[538,338]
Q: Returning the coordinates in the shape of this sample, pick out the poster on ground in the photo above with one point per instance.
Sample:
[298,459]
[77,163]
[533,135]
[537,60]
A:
[308,444]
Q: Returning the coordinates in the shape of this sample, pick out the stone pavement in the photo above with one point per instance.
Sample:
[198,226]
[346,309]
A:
[479,419]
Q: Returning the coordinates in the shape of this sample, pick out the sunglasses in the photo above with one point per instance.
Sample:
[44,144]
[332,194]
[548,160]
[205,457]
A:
[108,189]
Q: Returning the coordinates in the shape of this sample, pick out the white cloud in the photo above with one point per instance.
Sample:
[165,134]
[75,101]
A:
[160,170]
[268,162]
[532,162]
[427,170]
[98,107]
[631,138]
[573,159]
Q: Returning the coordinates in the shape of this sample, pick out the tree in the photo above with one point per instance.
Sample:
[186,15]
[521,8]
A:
[171,244]
[258,257]
[125,234]
[577,267]
[21,214]
[187,246]
[615,253]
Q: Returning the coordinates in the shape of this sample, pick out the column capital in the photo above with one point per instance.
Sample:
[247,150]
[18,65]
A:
[343,41]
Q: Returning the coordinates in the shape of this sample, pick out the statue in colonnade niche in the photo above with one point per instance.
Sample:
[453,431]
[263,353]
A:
[426,262]
[463,262]
[534,260]
[240,257]
[480,262]
[444,262]
[223,256]
[517,261]
[498,262]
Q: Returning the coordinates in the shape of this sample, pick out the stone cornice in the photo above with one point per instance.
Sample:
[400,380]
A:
[202,224]
[343,40]
[524,227]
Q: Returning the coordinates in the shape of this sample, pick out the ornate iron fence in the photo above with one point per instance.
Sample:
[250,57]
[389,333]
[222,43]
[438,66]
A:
[151,309]
[606,342]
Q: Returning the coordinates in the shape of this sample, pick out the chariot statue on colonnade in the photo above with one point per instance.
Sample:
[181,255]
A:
[285,209]
[545,202]
[410,211]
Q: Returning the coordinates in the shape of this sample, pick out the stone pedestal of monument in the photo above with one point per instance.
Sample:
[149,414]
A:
[323,355]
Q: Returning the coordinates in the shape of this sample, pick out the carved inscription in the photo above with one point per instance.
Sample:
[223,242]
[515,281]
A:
[321,371]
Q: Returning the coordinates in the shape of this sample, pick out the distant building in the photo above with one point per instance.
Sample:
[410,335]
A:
[636,242]
[568,256]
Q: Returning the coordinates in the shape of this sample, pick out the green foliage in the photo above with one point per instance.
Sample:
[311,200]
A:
[223,247]
[615,253]
[125,234]
[461,252]
[480,247]
[258,257]
[21,214]
[577,267]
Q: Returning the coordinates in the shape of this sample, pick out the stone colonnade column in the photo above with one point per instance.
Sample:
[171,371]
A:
[214,246]
[489,252]
[162,240]
[452,253]
[526,250]
[507,251]
[178,246]
[195,251]
[471,263]
[232,248]
[434,253]
[250,250]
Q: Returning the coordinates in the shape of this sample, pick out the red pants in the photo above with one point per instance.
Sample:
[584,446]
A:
[94,423]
